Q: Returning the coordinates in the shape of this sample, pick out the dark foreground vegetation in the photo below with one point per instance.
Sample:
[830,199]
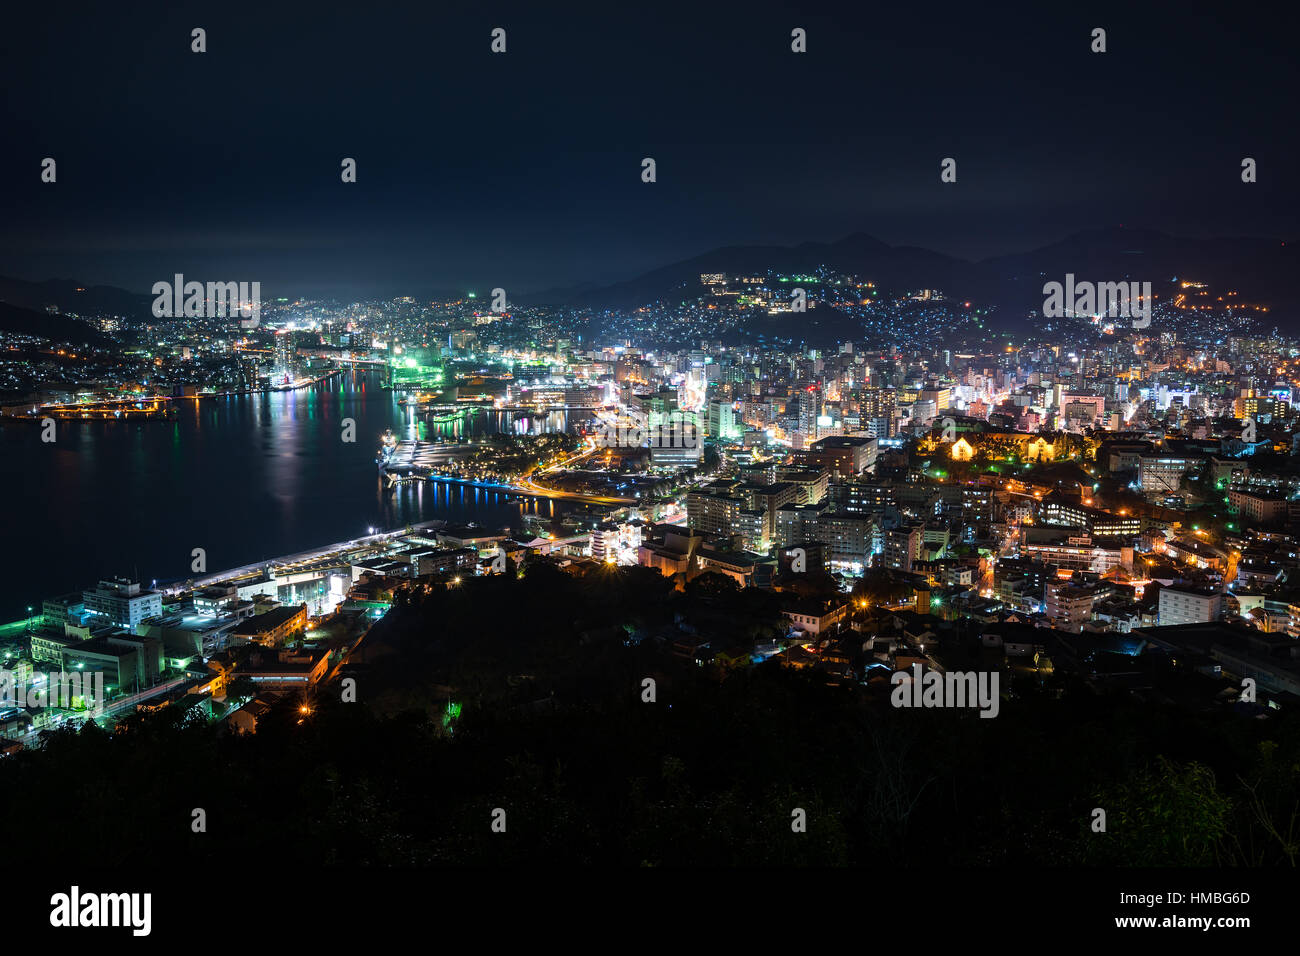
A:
[545,674]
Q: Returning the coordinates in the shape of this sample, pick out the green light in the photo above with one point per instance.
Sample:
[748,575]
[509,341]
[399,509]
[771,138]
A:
[453,713]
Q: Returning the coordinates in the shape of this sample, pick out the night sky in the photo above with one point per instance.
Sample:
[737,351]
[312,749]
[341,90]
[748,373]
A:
[523,170]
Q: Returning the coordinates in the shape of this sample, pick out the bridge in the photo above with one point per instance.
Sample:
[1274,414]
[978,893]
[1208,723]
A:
[344,357]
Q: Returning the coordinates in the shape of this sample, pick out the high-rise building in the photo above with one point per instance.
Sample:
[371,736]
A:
[810,410]
[843,456]
[722,421]
[123,602]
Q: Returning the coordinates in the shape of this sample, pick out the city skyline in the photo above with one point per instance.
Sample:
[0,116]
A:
[702,437]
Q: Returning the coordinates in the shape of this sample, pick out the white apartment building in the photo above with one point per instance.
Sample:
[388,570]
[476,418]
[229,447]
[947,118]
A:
[122,602]
[1189,606]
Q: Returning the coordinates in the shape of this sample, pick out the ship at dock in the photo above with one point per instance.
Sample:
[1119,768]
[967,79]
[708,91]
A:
[387,446]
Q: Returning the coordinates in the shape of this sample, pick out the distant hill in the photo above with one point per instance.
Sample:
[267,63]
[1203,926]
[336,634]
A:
[1260,270]
[60,328]
[858,253]
[69,296]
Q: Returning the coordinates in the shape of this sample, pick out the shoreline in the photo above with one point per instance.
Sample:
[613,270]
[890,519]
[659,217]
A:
[151,415]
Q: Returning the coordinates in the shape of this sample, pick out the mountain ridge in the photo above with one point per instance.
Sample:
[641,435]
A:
[1260,269]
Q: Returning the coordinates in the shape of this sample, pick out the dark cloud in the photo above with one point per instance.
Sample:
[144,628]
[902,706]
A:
[523,169]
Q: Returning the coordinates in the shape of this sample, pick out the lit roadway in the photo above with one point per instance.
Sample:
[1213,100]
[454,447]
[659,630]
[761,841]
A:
[527,486]
[526,483]
[1006,547]
[411,457]
[334,555]
[111,708]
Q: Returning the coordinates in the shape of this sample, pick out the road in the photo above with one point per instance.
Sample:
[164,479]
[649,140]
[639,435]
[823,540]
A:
[115,707]
[306,560]
[527,484]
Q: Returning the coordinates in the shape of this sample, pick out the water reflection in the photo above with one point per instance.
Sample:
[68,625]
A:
[244,477]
